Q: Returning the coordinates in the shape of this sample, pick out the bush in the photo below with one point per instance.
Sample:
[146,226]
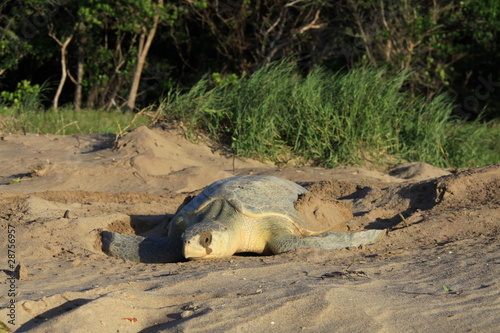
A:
[25,97]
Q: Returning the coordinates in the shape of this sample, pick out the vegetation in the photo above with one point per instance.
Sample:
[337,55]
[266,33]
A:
[69,121]
[334,84]
[125,54]
[334,118]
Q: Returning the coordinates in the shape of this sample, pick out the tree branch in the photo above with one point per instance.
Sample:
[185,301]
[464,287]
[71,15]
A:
[64,46]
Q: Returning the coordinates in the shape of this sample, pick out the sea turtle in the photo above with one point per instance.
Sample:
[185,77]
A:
[234,215]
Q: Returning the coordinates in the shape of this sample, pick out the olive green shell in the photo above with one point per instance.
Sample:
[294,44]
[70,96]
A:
[254,196]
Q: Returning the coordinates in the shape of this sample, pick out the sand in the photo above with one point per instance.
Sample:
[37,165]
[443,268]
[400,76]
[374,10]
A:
[436,270]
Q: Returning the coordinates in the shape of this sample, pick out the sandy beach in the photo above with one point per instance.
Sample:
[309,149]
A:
[436,270]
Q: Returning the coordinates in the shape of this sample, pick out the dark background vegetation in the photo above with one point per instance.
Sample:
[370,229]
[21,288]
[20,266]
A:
[449,46]
[328,83]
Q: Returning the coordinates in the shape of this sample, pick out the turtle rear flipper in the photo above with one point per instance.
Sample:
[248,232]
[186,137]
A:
[141,249]
[326,241]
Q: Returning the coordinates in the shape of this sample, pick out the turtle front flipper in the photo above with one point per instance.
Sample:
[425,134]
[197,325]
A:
[141,249]
[326,241]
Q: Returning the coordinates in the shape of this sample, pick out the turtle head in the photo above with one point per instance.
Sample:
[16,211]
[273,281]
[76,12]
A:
[207,240]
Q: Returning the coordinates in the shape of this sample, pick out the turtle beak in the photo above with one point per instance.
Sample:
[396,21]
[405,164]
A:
[198,246]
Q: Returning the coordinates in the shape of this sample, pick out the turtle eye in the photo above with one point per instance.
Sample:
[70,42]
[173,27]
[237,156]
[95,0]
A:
[205,239]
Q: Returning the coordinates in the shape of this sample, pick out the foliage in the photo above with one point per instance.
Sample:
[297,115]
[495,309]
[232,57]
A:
[333,118]
[446,45]
[69,121]
[12,46]
[217,59]
[26,97]
[438,41]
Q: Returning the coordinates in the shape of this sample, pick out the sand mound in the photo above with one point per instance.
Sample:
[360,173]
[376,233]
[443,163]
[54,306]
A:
[323,214]
[418,171]
[435,271]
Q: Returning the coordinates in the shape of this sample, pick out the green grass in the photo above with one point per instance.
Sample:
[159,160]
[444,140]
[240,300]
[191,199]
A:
[331,119]
[360,117]
[68,121]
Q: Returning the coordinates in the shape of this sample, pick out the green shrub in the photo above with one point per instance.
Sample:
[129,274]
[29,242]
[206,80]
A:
[25,97]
